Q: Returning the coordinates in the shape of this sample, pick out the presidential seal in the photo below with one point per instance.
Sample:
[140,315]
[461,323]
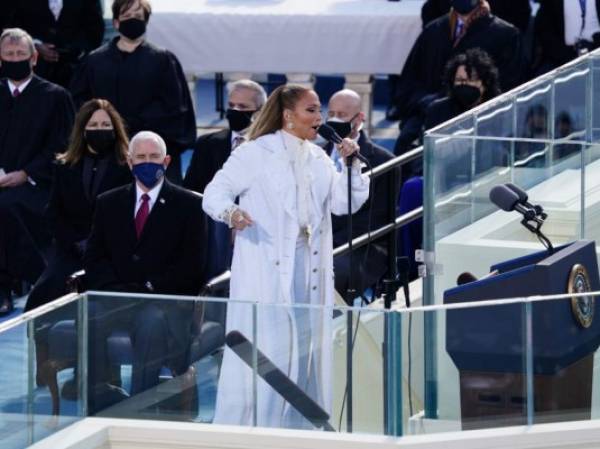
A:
[583,306]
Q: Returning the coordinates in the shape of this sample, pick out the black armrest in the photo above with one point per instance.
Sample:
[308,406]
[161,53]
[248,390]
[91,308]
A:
[76,282]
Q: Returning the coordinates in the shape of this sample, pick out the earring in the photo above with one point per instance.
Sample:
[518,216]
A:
[290,125]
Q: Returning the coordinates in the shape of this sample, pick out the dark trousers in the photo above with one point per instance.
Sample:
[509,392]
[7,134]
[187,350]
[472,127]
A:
[52,283]
[148,325]
[24,236]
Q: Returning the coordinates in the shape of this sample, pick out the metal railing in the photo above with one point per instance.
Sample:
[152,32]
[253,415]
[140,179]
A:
[390,167]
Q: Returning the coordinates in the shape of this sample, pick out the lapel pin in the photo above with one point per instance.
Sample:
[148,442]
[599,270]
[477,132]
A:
[161,200]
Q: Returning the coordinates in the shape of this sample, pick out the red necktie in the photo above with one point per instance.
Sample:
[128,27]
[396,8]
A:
[16,92]
[142,215]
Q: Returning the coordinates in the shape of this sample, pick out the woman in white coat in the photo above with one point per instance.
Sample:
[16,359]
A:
[287,189]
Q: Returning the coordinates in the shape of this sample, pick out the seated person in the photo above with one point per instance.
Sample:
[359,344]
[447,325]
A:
[147,237]
[64,32]
[471,79]
[95,161]
[146,84]
[347,118]
[470,24]
[36,117]
[246,97]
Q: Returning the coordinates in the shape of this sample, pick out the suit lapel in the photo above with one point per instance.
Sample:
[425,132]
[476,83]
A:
[129,211]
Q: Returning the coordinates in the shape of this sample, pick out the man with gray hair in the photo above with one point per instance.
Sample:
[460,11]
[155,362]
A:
[246,98]
[36,117]
[147,237]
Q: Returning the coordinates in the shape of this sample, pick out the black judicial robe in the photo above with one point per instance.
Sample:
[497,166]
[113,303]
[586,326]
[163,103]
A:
[422,72]
[147,87]
[33,127]
[77,31]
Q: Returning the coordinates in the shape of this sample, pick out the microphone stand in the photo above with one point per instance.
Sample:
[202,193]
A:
[350,295]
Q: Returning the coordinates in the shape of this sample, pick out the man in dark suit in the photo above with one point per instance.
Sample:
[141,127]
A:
[64,31]
[560,37]
[35,121]
[245,98]
[346,117]
[147,237]
[470,24]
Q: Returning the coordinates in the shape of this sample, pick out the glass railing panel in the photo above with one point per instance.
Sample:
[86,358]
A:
[475,377]
[155,357]
[594,98]
[33,404]
[467,226]
[565,341]
[571,106]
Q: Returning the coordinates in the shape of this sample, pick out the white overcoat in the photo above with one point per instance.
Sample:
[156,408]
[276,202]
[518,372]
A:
[260,173]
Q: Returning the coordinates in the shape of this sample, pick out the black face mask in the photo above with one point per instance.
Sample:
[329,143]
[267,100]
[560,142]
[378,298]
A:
[466,95]
[16,70]
[102,141]
[132,28]
[343,129]
[464,7]
[239,120]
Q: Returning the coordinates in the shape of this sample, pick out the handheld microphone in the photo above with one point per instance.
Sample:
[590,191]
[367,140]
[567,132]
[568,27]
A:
[329,134]
[524,199]
[282,384]
[507,200]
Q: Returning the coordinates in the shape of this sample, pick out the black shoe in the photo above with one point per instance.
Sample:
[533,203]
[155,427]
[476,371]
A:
[392,113]
[6,303]
[106,395]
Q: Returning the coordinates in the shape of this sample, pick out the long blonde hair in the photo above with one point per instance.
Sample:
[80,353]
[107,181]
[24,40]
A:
[270,117]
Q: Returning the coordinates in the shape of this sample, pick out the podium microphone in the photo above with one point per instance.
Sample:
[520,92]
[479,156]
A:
[524,200]
[506,199]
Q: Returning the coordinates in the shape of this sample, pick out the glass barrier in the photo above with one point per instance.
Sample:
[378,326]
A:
[541,136]
[34,364]
[495,363]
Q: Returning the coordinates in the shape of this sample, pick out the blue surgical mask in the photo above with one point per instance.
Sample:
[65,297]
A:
[148,173]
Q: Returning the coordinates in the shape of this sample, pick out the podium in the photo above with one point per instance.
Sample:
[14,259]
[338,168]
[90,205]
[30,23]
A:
[488,344]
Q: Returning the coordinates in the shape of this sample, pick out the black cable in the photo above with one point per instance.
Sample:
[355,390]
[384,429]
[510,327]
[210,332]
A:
[351,352]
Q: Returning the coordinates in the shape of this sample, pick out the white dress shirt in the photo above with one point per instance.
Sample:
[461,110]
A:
[152,193]
[55,7]
[574,22]
[21,87]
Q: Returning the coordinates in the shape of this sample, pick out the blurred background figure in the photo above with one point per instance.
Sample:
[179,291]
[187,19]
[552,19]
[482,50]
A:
[564,29]
[145,83]
[64,31]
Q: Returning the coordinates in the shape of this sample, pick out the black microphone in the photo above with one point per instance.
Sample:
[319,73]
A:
[329,134]
[507,200]
[524,199]
[282,384]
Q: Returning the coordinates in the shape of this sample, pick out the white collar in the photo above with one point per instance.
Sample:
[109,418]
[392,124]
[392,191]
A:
[291,141]
[152,193]
[21,87]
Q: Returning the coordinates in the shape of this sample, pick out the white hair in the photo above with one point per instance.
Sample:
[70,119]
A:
[260,96]
[14,35]
[147,136]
